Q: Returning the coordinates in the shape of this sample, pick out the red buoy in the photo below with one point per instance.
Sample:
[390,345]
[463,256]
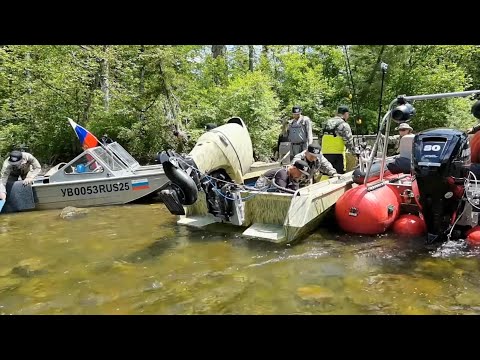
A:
[475,148]
[409,225]
[473,236]
[360,211]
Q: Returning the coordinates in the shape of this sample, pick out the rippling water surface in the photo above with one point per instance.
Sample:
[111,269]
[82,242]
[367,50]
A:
[136,260]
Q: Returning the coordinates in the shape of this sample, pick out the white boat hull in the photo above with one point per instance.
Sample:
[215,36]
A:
[98,192]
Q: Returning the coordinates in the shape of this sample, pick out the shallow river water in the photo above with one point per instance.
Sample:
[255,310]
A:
[135,260]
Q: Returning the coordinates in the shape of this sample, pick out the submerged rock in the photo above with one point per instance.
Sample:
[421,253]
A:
[9,283]
[71,212]
[29,267]
[315,293]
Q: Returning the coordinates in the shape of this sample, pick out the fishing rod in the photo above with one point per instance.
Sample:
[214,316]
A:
[354,97]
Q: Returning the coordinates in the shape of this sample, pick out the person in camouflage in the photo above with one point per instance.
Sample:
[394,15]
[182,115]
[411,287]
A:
[403,129]
[20,164]
[337,135]
[299,131]
[284,179]
[317,163]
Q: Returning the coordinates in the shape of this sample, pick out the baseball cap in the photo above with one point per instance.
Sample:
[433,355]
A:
[302,166]
[342,109]
[296,109]
[403,126]
[15,157]
[314,149]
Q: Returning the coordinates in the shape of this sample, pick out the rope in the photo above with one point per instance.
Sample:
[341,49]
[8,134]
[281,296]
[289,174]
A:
[210,178]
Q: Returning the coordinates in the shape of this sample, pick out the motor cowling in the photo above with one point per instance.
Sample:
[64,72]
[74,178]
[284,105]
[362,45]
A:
[439,155]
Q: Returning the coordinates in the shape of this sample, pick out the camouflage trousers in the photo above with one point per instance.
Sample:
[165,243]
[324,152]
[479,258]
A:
[297,149]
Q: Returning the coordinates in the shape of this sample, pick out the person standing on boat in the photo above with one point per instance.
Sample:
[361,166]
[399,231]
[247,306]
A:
[402,162]
[299,131]
[403,129]
[337,136]
[285,180]
[20,164]
[317,163]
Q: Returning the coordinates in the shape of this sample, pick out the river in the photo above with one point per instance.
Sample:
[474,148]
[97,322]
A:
[134,259]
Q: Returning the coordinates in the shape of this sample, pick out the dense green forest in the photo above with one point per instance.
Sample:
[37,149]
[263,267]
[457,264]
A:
[136,93]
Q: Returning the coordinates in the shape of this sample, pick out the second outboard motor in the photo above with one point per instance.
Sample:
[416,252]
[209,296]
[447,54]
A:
[215,166]
[441,158]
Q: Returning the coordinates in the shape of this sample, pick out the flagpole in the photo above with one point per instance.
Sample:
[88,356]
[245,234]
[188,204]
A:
[73,124]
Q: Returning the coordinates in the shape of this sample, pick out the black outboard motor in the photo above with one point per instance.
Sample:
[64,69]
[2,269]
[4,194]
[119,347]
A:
[185,182]
[441,158]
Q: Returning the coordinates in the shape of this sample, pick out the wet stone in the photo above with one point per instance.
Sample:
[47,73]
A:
[315,293]
[71,212]
[9,283]
[29,267]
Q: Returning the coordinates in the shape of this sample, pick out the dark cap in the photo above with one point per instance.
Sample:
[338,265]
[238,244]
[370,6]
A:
[314,149]
[210,126]
[342,109]
[302,166]
[297,110]
[15,156]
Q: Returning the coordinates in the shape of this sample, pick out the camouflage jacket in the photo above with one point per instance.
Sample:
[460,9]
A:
[30,167]
[395,141]
[342,128]
[2,188]
[320,165]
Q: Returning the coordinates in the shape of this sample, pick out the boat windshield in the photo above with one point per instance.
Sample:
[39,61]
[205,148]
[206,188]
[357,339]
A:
[123,155]
[107,159]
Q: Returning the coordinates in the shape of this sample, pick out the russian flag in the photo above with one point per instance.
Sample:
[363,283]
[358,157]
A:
[140,184]
[87,139]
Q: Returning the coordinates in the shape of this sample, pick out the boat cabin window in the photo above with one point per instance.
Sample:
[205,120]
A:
[84,165]
[123,155]
[108,159]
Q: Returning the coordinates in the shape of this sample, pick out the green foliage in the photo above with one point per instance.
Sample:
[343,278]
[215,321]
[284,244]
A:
[251,98]
[136,93]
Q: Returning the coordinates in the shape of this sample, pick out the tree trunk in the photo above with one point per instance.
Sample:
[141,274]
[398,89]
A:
[141,88]
[172,113]
[218,50]
[104,75]
[251,54]
[27,72]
